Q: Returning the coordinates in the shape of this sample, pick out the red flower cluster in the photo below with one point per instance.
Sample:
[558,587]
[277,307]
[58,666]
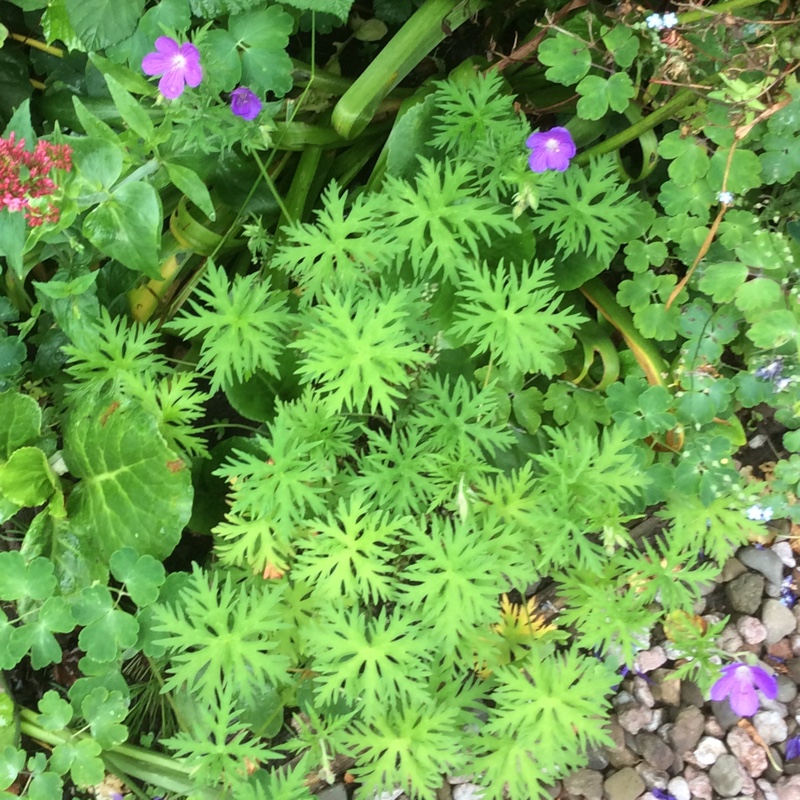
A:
[24,177]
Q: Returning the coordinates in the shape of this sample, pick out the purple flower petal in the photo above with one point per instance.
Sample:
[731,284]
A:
[178,64]
[167,45]
[172,84]
[193,72]
[156,63]
[792,748]
[722,688]
[743,699]
[551,149]
[768,684]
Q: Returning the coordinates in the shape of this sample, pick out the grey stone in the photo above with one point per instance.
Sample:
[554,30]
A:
[635,718]
[764,561]
[596,758]
[626,784]
[744,593]
[778,620]
[708,751]
[785,553]
[787,689]
[724,714]
[655,751]
[585,783]
[642,692]
[751,755]
[678,787]
[751,629]
[788,787]
[771,727]
[335,792]
[665,688]
[767,789]
[651,659]
[733,569]
[725,776]
[620,755]
[730,640]
[687,730]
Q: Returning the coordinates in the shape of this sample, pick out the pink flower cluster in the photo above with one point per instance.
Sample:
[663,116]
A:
[24,176]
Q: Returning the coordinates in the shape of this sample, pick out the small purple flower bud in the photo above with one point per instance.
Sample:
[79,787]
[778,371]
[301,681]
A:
[792,748]
[245,104]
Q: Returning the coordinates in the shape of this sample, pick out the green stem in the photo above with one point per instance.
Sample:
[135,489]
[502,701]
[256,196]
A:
[719,8]
[681,99]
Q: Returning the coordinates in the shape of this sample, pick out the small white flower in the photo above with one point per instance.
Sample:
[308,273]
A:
[669,20]
[726,198]
[759,513]
[655,22]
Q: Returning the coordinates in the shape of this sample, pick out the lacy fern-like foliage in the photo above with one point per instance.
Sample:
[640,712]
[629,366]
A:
[440,221]
[360,351]
[241,324]
[514,315]
[587,211]
[221,636]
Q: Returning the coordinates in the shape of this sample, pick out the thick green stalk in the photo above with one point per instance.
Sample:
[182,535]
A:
[426,28]
[719,8]
[681,99]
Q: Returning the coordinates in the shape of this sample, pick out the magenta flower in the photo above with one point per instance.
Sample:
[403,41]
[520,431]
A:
[245,104]
[550,150]
[739,682]
[178,64]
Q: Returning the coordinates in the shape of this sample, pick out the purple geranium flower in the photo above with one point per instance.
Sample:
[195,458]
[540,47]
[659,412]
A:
[550,150]
[245,104]
[739,682]
[792,748]
[178,64]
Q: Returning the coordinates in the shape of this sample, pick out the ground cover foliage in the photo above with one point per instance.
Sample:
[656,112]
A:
[308,381]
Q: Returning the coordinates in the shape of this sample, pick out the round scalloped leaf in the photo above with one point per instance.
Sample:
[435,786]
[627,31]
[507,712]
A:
[134,491]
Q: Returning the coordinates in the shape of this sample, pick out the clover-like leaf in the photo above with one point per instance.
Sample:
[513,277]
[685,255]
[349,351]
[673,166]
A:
[758,294]
[722,280]
[104,711]
[567,57]
[19,579]
[599,94]
[142,575]
[134,491]
[773,330]
[81,757]
[688,157]
[107,630]
[54,711]
[37,636]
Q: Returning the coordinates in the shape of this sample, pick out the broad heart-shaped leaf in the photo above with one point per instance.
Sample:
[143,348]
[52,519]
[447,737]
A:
[134,491]
[722,280]
[220,59]
[100,23]
[127,227]
[567,57]
[266,66]
[20,422]
[97,162]
[26,478]
[76,562]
